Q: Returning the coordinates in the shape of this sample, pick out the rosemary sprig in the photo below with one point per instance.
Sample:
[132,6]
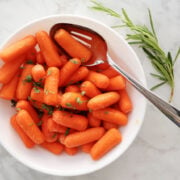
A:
[146,39]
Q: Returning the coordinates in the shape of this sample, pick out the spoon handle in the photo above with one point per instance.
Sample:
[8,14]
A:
[171,112]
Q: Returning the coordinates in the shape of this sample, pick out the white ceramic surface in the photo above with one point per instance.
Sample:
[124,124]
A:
[65,165]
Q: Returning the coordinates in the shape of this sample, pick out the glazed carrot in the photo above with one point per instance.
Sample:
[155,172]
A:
[18,48]
[125,104]
[116,83]
[48,50]
[111,115]
[67,70]
[110,72]
[31,55]
[8,90]
[72,88]
[73,100]
[108,125]
[37,94]
[87,147]
[49,136]
[27,124]
[22,104]
[110,139]
[51,86]
[71,151]
[59,98]
[89,89]
[61,138]
[55,147]
[26,140]
[70,120]
[25,83]
[100,80]
[93,122]
[79,75]
[72,46]
[64,59]
[9,69]
[84,137]
[38,72]
[103,100]
[40,58]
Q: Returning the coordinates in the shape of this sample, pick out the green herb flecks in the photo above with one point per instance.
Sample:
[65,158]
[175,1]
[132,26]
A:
[18,109]
[67,131]
[74,61]
[36,90]
[83,93]
[28,79]
[29,62]
[106,112]
[49,108]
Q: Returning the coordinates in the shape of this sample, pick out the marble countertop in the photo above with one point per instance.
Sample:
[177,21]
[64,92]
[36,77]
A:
[155,153]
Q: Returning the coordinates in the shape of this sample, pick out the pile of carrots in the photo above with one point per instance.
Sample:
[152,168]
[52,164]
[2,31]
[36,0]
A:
[60,104]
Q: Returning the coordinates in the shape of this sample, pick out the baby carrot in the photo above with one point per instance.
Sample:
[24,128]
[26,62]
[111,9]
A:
[55,147]
[48,50]
[100,80]
[71,151]
[111,115]
[125,104]
[67,70]
[110,139]
[93,122]
[37,94]
[72,46]
[116,83]
[72,88]
[25,83]
[9,69]
[89,89]
[110,72]
[51,86]
[64,59]
[103,100]
[72,100]
[18,48]
[8,90]
[84,137]
[61,138]
[108,125]
[27,124]
[38,72]
[70,120]
[26,140]
[31,55]
[87,147]
[40,58]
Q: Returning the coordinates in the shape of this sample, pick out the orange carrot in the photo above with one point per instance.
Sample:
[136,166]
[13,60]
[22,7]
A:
[40,58]
[110,72]
[71,151]
[125,104]
[38,72]
[62,138]
[72,88]
[87,147]
[72,100]
[51,86]
[103,100]
[18,48]
[27,124]
[111,138]
[48,50]
[93,122]
[25,83]
[22,104]
[72,46]
[55,147]
[67,70]
[108,125]
[37,94]
[89,89]
[64,59]
[70,120]
[8,90]
[84,137]
[59,98]
[111,115]
[100,80]
[8,70]
[31,55]
[116,83]
[26,140]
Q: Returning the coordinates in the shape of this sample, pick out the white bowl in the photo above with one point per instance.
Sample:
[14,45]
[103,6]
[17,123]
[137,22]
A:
[64,165]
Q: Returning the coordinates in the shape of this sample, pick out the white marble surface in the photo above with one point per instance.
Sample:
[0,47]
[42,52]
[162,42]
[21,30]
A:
[155,153]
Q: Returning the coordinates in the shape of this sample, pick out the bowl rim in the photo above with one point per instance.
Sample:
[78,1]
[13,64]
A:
[143,81]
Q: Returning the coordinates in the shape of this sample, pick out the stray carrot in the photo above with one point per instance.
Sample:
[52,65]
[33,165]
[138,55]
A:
[37,94]
[55,147]
[110,139]
[100,80]
[51,86]
[18,48]
[40,58]
[38,72]
[27,124]
[9,69]
[25,83]
[70,120]
[71,151]
[84,137]
[48,50]
[93,122]
[72,46]
[108,125]
[72,88]
[110,72]
[26,140]
[103,100]
[72,100]
[87,147]
[111,115]
[67,70]
[89,89]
